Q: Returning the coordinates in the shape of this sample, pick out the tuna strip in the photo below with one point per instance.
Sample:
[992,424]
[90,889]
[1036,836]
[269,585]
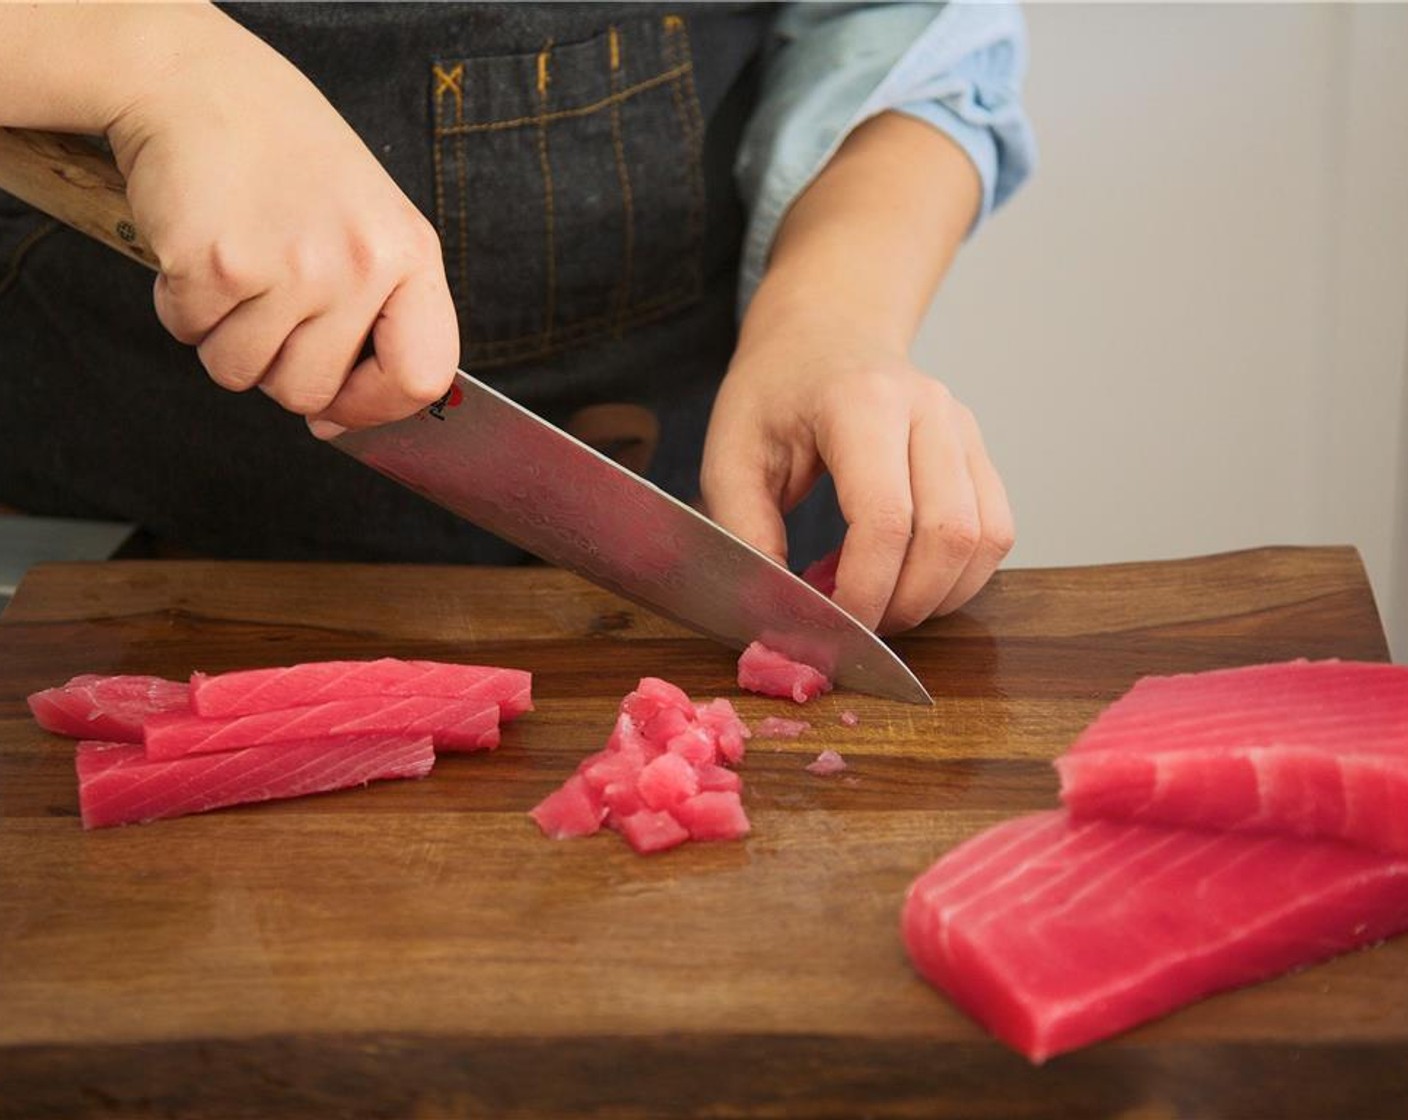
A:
[108,708]
[455,725]
[1300,748]
[316,682]
[1054,933]
[119,784]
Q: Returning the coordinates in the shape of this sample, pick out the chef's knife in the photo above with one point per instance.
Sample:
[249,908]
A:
[487,459]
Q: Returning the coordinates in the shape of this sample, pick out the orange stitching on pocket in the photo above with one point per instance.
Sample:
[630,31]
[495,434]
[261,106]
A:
[550,311]
[644,86]
[450,83]
[623,173]
[645,313]
[593,324]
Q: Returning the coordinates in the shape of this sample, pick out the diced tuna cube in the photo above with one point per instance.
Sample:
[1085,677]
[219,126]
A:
[622,799]
[572,810]
[716,815]
[712,777]
[720,717]
[609,767]
[650,831]
[667,781]
[696,744]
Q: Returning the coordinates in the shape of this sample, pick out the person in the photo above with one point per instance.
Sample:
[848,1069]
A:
[725,219]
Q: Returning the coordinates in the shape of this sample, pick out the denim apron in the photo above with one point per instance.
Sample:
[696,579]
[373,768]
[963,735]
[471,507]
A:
[577,162]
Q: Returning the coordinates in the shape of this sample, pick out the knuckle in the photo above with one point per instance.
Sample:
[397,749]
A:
[303,399]
[999,540]
[891,522]
[940,394]
[421,241]
[228,271]
[229,366]
[424,385]
[959,537]
[234,376]
[906,615]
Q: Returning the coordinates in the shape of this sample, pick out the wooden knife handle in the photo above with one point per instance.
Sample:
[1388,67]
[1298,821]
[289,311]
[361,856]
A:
[71,179]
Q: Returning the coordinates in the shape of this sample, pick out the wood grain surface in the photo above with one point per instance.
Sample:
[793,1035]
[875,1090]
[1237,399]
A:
[417,949]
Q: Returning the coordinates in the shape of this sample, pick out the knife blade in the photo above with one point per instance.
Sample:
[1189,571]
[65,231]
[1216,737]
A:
[489,460]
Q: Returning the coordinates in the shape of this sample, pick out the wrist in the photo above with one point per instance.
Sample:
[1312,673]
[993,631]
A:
[110,53]
[802,303]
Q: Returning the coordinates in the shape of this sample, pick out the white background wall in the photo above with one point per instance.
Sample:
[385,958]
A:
[1189,332]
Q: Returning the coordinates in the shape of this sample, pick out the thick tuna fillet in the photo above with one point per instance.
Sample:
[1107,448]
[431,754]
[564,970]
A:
[1054,933]
[107,708]
[316,682]
[119,784]
[1301,748]
[453,724]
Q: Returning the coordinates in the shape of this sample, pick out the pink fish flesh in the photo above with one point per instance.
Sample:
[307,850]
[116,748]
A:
[107,708]
[1054,933]
[661,779]
[248,691]
[770,673]
[455,725]
[775,727]
[119,784]
[821,574]
[827,762]
[1300,748]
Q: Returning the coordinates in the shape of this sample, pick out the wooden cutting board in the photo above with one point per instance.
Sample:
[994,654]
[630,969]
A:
[417,949]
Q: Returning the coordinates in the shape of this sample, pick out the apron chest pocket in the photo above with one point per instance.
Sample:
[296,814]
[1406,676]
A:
[569,190]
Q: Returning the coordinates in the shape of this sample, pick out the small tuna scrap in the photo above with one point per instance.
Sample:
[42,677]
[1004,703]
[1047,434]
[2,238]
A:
[827,762]
[776,727]
[662,778]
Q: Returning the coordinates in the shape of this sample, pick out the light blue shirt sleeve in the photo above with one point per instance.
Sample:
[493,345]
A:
[957,66]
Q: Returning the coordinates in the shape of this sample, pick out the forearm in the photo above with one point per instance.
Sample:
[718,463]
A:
[869,241]
[80,67]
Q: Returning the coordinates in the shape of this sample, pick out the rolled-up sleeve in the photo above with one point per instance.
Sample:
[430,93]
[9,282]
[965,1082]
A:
[956,66]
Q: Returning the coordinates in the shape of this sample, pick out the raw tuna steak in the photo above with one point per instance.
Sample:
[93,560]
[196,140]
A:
[661,779]
[316,682]
[1054,933]
[768,672]
[107,708]
[1300,748]
[454,725]
[119,784]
